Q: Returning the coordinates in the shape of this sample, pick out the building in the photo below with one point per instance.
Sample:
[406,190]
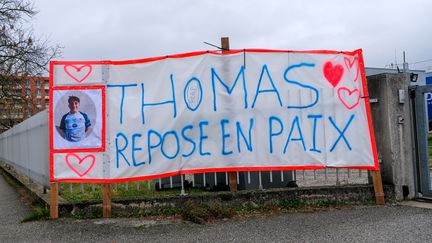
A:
[419,80]
[25,98]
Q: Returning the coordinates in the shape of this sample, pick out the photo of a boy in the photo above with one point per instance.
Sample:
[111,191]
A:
[75,124]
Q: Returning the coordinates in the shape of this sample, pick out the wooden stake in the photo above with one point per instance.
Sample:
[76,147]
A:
[232,181]
[106,203]
[378,187]
[231,175]
[54,200]
[225,44]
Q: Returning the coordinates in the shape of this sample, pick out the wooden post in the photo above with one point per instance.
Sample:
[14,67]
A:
[378,187]
[225,44]
[54,200]
[106,203]
[232,176]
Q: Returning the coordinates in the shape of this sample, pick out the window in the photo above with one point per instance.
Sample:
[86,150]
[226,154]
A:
[38,84]
[27,83]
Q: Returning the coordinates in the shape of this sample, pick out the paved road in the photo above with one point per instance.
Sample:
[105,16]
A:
[359,224]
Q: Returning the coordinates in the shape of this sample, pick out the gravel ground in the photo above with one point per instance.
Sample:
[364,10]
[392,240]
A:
[388,223]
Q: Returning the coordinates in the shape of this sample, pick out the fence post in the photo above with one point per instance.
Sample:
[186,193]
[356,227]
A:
[378,187]
[232,175]
[54,199]
[106,203]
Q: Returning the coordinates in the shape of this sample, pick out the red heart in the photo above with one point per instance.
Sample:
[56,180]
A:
[348,100]
[76,165]
[78,73]
[333,74]
[350,64]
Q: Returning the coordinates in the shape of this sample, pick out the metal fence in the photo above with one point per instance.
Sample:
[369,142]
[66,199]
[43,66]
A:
[254,180]
[25,147]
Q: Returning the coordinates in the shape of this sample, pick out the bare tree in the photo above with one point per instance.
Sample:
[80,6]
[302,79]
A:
[22,55]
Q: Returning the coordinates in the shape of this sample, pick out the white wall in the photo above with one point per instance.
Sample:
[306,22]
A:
[26,147]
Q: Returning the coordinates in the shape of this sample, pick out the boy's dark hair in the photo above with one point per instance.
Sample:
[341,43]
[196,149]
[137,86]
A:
[73,98]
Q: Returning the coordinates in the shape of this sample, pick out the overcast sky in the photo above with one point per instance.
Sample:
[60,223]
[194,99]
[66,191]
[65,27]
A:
[126,29]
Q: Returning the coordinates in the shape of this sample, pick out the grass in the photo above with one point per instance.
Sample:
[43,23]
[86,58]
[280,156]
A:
[39,212]
[301,204]
[206,212]
[91,213]
[76,192]
[292,203]
[195,211]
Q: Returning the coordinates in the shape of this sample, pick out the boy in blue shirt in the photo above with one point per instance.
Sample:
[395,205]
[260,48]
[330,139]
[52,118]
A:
[74,124]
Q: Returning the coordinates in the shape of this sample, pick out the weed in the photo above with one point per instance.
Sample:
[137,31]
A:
[292,203]
[270,206]
[169,211]
[324,203]
[248,207]
[371,202]
[201,213]
[38,213]
[219,211]
[88,214]
[194,213]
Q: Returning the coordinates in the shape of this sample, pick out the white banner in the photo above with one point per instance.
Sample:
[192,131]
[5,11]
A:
[205,112]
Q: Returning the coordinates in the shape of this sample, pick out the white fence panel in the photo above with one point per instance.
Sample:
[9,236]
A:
[26,147]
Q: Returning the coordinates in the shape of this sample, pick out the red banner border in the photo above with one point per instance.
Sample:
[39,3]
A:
[206,170]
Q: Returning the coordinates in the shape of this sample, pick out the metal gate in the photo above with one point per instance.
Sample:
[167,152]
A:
[422,137]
